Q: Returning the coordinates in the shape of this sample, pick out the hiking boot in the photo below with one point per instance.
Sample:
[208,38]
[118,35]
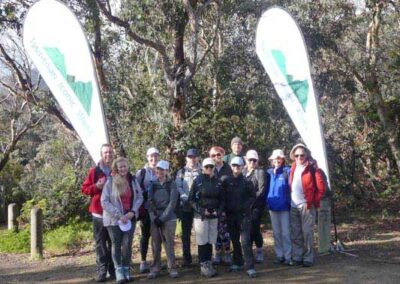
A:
[234,268]
[259,255]
[227,258]
[173,273]
[279,260]
[144,267]
[186,263]
[307,264]
[217,258]
[207,270]
[252,273]
[153,274]
[127,274]
[101,278]
[119,274]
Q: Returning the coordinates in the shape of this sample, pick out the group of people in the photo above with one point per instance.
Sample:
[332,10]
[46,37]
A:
[223,197]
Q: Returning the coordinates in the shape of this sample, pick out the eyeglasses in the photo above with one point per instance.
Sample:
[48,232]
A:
[208,166]
[299,155]
[252,160]
[236,166]
[216,155]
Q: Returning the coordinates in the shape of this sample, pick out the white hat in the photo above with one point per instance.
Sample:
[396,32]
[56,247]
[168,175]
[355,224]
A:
[252,154]
[208,162]
[300,145]
[237,161]
[278,153]
[163,165]
[152,151]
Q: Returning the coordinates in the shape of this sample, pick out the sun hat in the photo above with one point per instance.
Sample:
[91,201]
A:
[277,153]
[299,145]
[208,162]
[152,151]
[252,154]
[163,165]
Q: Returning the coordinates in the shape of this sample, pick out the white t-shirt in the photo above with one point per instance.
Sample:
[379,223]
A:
[297,194]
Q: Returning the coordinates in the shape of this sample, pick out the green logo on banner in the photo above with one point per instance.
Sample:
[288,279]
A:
[83,90]
[300,88]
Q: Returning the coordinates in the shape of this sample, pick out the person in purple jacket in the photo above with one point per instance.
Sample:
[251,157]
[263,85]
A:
[278,202]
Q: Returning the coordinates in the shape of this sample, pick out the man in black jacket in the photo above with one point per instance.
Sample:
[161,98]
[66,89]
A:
[239,198]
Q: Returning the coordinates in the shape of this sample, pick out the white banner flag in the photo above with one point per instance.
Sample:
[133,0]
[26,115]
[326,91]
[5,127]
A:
[57,45]
[281,49]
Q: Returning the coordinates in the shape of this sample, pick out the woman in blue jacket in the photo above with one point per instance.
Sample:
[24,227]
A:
[278,202]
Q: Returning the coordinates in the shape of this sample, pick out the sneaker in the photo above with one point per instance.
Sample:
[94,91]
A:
[279,260]
[173,273]
[227,258]
[101,278]
[212,269]
[217,259]
[144,267]
[234,268]
[259,256]
[307,264]
[252,273]
[152,275]
[289,262]
[297,262]
[206,269]
[186,263]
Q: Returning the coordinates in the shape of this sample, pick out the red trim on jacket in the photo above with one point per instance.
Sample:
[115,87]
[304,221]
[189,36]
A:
[89,188]
[312,192]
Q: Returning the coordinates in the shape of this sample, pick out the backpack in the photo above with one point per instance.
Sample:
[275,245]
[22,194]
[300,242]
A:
[97,172]
[313,170]
[142,209]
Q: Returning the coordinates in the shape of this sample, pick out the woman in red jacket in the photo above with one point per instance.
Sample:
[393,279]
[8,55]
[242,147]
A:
[307,188]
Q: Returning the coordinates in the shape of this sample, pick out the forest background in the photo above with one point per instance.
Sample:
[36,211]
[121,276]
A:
[180,74]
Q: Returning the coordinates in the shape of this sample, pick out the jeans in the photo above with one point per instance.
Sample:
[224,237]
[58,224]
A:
[239,230]
[102,248]
[145,225]
[302,222]
[187,224]
[281,229]
[121,245]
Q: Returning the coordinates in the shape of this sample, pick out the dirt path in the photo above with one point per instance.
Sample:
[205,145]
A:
[376,244]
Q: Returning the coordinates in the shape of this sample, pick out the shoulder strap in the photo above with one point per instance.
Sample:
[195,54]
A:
[142,176]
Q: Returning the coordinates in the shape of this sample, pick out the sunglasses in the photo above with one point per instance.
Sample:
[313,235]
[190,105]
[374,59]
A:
[216,155]
[209,167]
[252,160]
[299,155]
[236,166]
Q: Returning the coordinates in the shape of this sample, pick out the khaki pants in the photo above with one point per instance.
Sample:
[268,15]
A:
[302,222]
[166,235]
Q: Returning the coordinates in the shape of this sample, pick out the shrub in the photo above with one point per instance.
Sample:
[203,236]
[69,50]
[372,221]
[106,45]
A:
[15,242]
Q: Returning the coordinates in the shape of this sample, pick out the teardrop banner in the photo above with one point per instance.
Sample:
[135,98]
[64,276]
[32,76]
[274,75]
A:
[56,43]
[281,49]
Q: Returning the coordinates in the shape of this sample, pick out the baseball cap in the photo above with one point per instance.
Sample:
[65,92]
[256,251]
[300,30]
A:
[152,151]
[237,161]
[208,161]
[163,165]
[192,152]
[252,154]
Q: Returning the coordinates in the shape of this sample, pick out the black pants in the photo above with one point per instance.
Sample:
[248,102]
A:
[145,226]
[187,224]
[104,261]
[256,236]
[239,227]
[205,252]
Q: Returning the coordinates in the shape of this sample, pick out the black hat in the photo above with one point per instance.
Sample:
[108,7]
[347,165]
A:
[192,152]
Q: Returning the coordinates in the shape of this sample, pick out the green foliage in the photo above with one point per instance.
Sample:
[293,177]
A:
[73,236]
[15,242]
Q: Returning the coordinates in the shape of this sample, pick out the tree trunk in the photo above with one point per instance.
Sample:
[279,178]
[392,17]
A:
[372,84]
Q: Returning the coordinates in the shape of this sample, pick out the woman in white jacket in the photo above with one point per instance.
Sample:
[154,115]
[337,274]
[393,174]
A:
[121,199]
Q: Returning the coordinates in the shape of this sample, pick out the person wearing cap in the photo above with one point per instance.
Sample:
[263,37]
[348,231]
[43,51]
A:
[236,147]
[223,244]
[146,176]
[278,202]
[121,199]
[184,180]
[307,188]
[240,196]
[206,197]
[93,187]
[258,178]
[162,201]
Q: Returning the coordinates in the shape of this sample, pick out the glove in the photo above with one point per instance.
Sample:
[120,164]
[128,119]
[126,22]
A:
[157,222]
